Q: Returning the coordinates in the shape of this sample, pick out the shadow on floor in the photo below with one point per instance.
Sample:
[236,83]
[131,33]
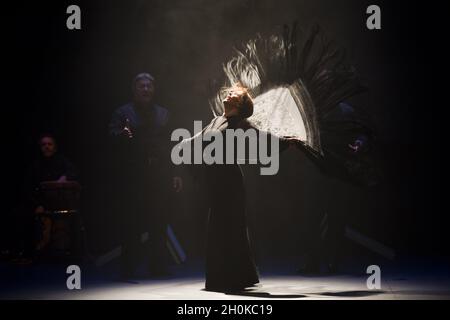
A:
[266,295]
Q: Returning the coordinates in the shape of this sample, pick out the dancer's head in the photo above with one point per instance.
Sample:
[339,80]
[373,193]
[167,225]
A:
[143,89]
[238,102]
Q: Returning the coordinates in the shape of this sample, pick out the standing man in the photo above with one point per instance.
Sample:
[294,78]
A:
[142,140]
[352,169]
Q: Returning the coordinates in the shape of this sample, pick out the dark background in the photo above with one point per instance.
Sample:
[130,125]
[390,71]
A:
[69,82]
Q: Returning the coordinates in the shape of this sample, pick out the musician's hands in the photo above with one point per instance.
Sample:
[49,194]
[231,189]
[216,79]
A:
[126,131]
[177,184]
[356,146]
[39,210]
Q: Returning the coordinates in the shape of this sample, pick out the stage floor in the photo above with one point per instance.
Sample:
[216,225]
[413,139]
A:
[49,282]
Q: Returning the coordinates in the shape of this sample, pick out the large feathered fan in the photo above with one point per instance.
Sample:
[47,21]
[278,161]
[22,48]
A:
[298,80]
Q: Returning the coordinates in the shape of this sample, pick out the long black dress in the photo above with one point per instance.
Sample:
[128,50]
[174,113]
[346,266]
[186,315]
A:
[229,262]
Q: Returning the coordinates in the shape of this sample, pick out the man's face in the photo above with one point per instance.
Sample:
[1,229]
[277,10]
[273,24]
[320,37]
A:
[143,91]
[48,147]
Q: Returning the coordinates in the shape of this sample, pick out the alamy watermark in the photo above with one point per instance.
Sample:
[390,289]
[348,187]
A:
[73,21]
[373,22]
[74,279]
[374,280]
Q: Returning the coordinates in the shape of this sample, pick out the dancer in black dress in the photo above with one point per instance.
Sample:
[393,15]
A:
[301,82]
[229,263]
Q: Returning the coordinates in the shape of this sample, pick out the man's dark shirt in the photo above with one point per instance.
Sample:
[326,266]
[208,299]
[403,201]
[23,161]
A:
[151,138]
[345,125]
[144,158]
[47,169]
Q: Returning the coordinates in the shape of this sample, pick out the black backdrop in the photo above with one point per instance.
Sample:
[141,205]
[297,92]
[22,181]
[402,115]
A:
[69,82]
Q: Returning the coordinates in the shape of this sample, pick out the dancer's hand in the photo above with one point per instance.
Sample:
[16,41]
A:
[177,184]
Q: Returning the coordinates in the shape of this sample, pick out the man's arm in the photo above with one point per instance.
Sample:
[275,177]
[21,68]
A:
[175,171]
[116,124]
